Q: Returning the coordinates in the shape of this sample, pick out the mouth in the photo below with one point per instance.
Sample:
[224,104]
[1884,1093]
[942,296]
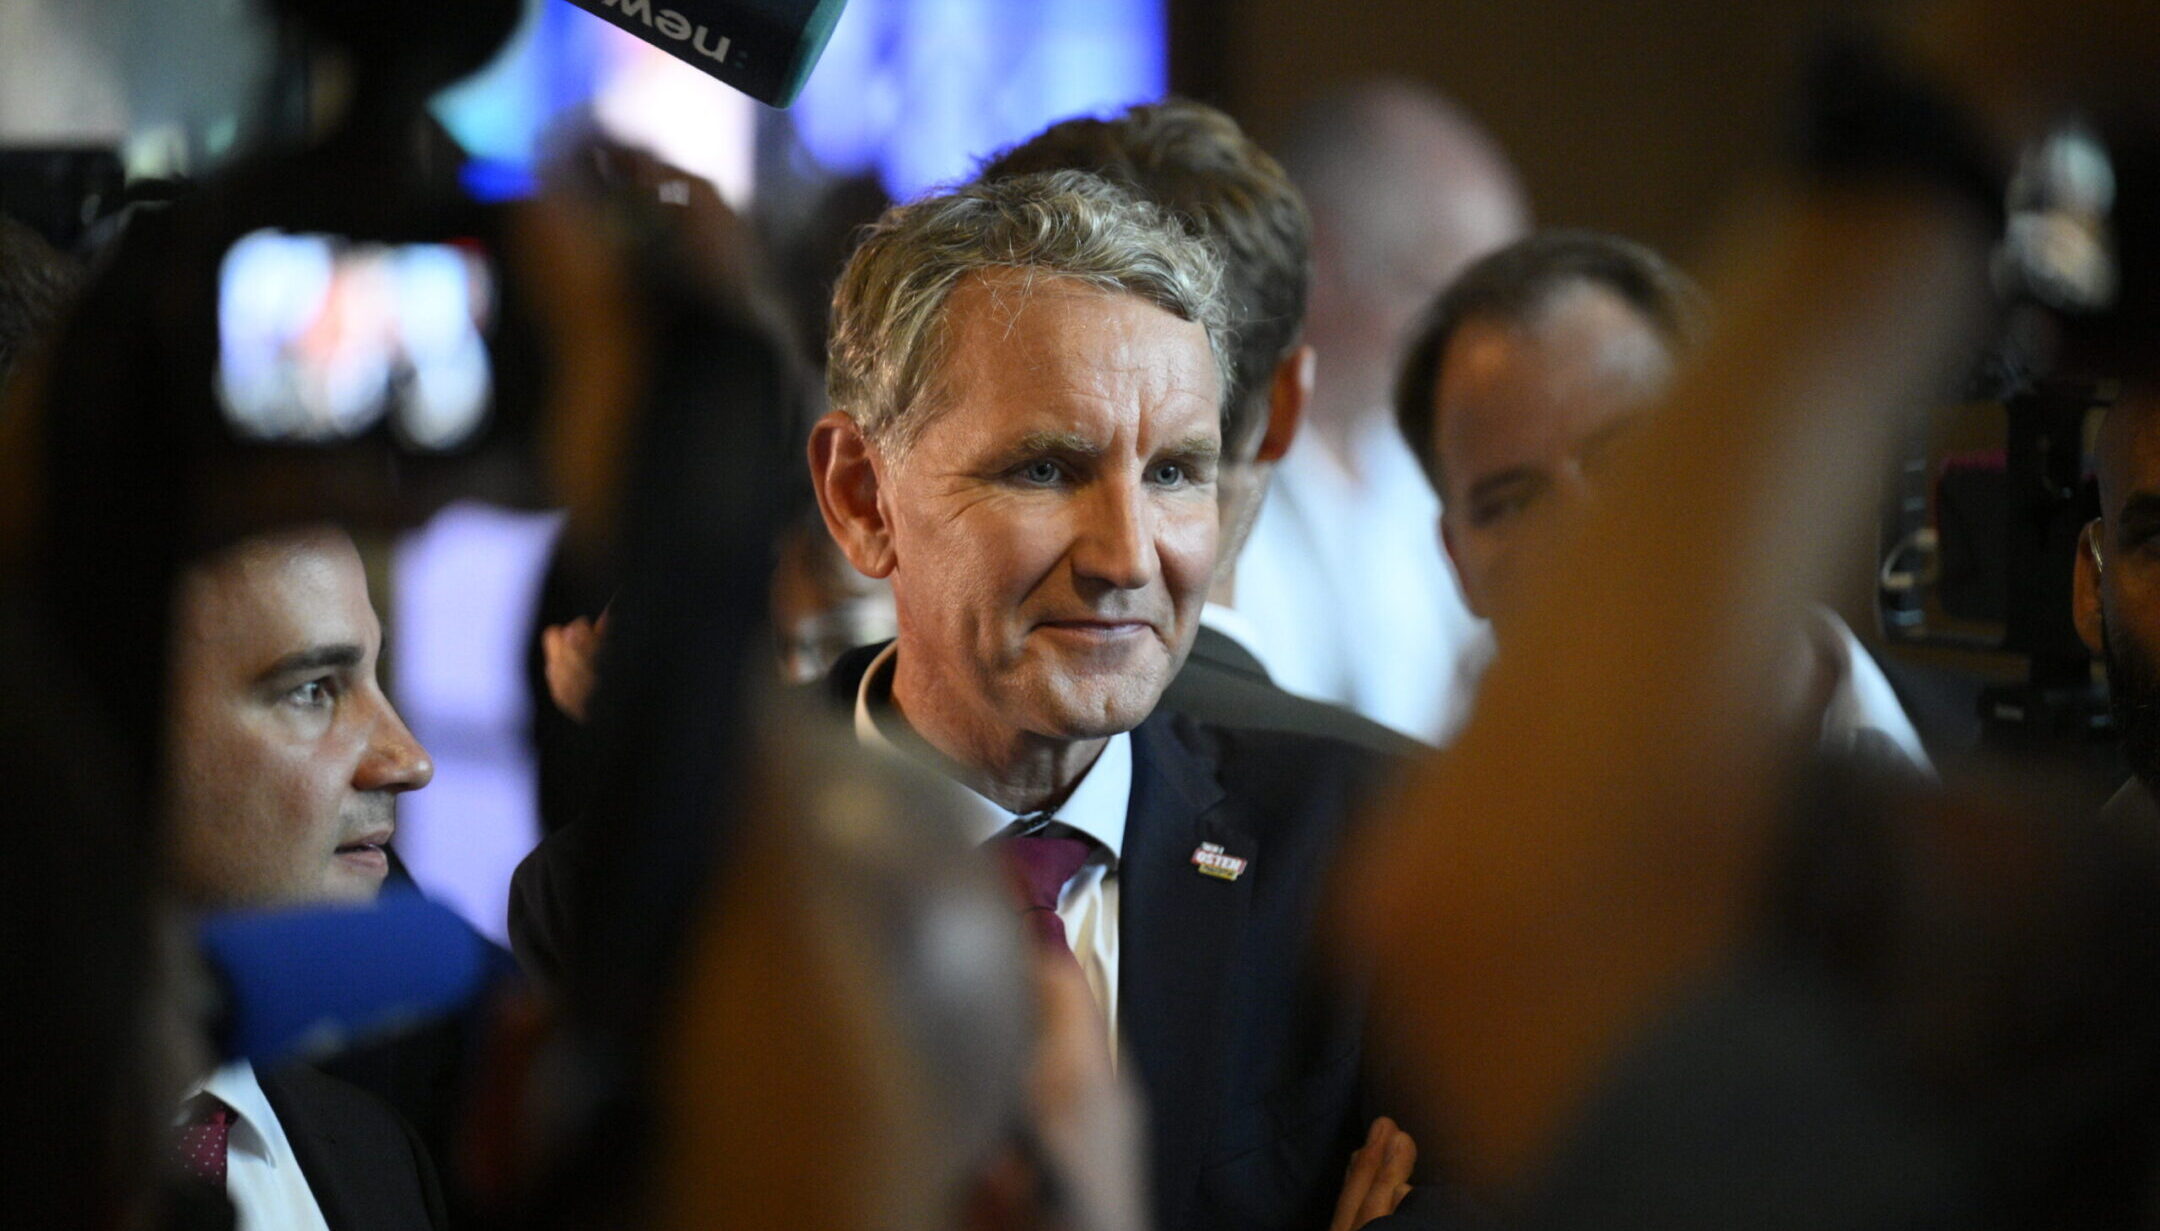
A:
[369,854]
[1105,625]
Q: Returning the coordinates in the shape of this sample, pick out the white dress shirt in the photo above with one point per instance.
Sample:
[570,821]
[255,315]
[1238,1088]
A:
[1088,905]
[1345,583]
[262,1177]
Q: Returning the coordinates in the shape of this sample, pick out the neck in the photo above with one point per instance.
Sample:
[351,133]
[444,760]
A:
[1019,771]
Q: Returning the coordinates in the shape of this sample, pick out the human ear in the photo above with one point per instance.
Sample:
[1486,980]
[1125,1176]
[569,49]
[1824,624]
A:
[1289,392]
[2085,598]
[844,474]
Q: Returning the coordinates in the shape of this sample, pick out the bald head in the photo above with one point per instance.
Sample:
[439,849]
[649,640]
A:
[1405,189]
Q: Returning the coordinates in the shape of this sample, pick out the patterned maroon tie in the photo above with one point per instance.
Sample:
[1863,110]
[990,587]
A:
[1040,864]
[200,1141]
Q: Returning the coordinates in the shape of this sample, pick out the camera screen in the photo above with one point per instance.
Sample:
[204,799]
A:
[321,337]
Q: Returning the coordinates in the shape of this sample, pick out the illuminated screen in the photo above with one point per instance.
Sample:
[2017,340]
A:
[321,338]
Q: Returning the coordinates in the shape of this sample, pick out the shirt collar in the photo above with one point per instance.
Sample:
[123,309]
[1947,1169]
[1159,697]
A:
[1096,806]
[235,1085]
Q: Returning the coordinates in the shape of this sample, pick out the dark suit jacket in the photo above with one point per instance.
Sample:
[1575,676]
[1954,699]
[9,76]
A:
[366,1167]
[1224,684]
[1253,1069]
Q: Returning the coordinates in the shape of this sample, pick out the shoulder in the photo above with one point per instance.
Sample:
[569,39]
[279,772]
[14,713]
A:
[1215,693]
[307,1099]
[364,1163]
[1273,773]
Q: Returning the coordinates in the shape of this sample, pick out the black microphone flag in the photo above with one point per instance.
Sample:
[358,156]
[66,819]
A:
[765,48]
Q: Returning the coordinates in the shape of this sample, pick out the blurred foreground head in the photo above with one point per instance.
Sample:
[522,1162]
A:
[1026,379]
[1195,161]
[853,1015]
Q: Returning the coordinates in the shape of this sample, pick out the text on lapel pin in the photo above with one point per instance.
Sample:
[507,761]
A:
[1210,859]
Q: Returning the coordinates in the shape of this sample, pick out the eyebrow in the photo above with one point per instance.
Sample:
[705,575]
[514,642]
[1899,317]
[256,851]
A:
[1055,442]
[1513,476]
[1198,447]
[315,658]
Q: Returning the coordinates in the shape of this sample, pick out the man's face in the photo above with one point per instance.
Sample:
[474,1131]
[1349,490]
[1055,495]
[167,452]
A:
[2117,598]
[1522,416]
[285,754]
[1053,527]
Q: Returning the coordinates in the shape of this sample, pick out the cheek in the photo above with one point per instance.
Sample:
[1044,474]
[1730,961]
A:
[1185,539]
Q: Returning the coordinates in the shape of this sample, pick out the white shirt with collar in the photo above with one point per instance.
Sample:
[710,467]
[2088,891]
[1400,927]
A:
[262,1177]
[1096,807]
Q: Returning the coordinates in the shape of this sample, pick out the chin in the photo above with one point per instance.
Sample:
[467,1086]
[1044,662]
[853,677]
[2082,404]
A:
[1079,711]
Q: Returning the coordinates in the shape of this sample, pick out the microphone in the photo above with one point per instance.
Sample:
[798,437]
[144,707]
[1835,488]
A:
[765,48]
[303,983]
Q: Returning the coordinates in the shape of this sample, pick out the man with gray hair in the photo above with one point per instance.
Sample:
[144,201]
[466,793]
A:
[1027,377]
[1195,161]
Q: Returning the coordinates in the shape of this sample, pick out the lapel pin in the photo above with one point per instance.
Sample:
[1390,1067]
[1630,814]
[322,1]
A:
[1210,859]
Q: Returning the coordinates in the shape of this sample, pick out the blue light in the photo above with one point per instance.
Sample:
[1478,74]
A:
[921,90]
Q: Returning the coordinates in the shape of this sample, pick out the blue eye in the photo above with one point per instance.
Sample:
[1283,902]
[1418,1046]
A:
[1170,474]
[1041,473]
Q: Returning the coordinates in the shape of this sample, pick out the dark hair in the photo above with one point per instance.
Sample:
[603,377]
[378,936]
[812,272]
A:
[1196,162]
[1516,283]
[36,282]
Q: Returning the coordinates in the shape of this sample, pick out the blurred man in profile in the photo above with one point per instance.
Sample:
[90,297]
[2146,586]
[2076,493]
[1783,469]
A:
[1341,579]
[1517,383]
[1194,161]
[1027,379]
[284,761]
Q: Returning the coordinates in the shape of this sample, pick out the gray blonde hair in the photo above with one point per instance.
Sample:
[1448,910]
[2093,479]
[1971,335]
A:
[890,337]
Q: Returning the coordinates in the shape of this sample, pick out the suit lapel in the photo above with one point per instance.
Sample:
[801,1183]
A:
[1179,933]
[311,1129]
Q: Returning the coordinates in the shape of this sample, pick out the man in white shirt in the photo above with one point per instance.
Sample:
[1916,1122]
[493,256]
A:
[285,759]
[1516,385]
[1341,579]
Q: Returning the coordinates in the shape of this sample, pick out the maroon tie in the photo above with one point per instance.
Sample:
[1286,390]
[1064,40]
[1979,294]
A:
[200,1140]
[1040,864]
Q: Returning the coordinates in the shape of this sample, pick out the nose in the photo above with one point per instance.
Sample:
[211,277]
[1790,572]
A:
[1115,544]
[395,761]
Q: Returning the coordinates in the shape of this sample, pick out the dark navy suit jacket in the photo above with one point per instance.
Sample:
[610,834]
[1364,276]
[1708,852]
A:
[1250,1057]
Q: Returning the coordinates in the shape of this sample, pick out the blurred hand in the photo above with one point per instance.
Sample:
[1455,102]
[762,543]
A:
[571,653]
[1378,1177]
